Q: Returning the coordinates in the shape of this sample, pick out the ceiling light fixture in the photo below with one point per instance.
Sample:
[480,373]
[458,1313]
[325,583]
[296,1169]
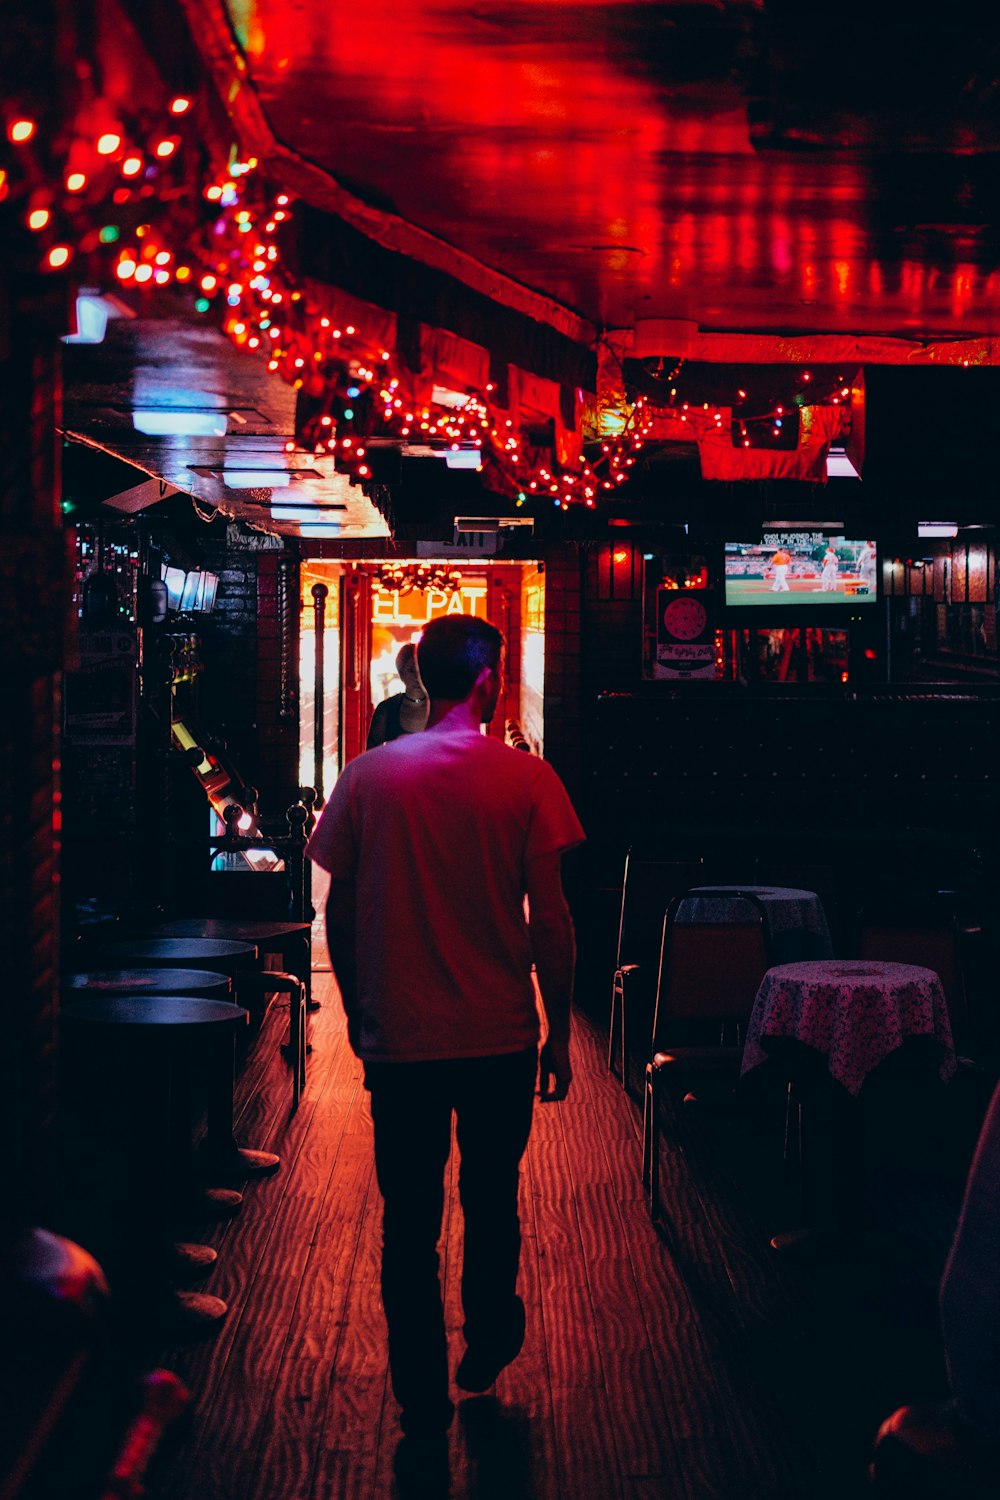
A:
[937,528]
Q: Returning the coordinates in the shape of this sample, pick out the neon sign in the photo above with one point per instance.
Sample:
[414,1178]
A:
[419,606]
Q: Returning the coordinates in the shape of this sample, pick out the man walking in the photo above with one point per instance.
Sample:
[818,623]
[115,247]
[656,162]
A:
[432,843]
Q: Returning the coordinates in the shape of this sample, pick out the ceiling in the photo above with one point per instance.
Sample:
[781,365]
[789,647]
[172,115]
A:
[758,166]
[124,396]
[738,185]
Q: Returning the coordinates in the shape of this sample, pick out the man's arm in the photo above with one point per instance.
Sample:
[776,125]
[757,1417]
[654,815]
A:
[554,952]
[341,937]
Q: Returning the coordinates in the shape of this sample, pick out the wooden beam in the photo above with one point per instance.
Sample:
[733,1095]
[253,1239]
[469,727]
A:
[301,178]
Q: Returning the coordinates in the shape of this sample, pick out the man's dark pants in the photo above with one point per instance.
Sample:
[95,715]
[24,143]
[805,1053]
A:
[412,1105]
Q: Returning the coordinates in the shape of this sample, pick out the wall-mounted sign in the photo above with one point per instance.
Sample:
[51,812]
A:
[99,695]
[685,637]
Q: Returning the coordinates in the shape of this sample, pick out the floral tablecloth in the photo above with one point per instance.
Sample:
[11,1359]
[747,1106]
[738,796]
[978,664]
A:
[796,922]
[855,1011]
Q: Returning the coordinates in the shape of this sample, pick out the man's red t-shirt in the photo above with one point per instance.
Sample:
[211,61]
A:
[435,831]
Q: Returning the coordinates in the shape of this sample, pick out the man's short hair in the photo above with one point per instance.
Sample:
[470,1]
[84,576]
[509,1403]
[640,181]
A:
[453,650]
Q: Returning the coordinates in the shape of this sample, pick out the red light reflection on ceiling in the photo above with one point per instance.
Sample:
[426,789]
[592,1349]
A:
[564,144]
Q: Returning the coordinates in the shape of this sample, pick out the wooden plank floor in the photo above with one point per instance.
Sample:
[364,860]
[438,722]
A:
[694,1365]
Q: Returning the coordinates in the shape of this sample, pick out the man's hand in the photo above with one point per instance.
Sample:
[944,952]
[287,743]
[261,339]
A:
[554,1072]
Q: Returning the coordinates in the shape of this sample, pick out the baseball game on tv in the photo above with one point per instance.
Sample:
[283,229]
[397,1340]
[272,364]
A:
[800,568]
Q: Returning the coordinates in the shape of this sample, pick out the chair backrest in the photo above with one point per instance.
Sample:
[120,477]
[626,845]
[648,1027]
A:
[648,888]
[710,971]
[924,934]
[222,877]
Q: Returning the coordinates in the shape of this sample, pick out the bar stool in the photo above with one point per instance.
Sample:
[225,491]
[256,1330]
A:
[234,958]
[192,1259]
[293,942]
[150,1042]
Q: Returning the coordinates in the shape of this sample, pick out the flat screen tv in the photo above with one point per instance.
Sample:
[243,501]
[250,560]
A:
[809,573]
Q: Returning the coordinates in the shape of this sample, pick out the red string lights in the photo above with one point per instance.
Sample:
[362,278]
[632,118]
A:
[137,197]
[91,181]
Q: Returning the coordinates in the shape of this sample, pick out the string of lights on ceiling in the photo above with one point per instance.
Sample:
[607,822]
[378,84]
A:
[144,196]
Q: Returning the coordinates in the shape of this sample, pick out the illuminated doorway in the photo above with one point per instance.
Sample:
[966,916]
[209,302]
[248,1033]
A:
[373,607]
[404,598]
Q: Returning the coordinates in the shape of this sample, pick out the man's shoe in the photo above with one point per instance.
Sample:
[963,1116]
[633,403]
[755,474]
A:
[420,1465]
[484,1359]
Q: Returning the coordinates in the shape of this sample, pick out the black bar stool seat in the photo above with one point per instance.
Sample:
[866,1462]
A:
[174,1025]
[145,981]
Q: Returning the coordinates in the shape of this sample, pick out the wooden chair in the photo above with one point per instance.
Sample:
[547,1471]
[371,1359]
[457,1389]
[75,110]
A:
[920,932]
[648,888]
[271,908]
[215,877]
[708,977]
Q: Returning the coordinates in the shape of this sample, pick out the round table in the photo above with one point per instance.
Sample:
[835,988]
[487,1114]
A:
[293,940]
[224,955]
[853,1011]
[161,981]
[234,929]
[796,922]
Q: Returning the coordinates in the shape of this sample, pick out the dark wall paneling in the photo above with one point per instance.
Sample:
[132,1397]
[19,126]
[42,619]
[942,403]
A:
[835,778]
[940,579]
[562,664]
[227,692]
[616,577]
[32,621]
[977,573]
[610,627]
